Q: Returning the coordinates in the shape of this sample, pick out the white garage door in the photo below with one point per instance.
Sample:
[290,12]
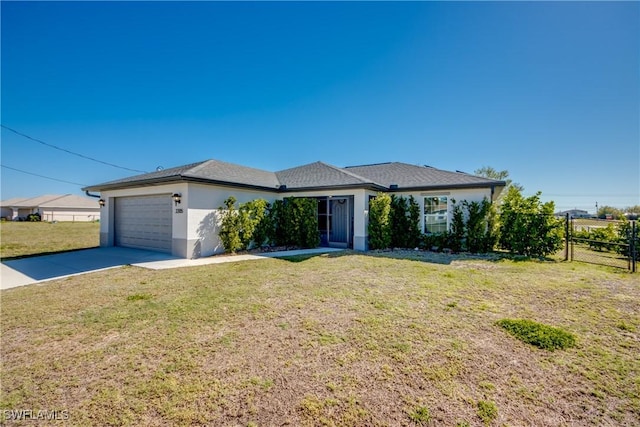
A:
[143,222]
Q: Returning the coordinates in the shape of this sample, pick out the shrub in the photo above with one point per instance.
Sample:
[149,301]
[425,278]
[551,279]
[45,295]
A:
[487,411]
[527,226]
[263,234]
[230,226]
[479,229]
[250,215]
[295,222]
[455,237]
[420,415]
[399,221]
[537,334]
[413,232]
[379,227]
[34,217]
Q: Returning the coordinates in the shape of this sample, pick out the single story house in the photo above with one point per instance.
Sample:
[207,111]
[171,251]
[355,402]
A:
[575,213]
[52,207]
[176,210]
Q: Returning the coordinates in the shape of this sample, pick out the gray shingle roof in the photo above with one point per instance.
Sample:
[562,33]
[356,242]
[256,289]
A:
[320,174]
[407,176]
[207,171]
[311,176]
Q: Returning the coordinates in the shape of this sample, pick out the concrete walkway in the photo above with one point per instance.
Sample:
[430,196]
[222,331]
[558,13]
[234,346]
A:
[38,269]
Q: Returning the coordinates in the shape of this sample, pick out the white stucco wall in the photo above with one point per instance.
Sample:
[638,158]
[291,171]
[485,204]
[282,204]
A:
[69,214]
[203,218]
[459,195]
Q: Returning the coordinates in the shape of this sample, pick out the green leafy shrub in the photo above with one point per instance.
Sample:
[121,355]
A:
[413,231]
[251,215]
[537,334]
[379,226]
[34,217]
[295,222]
[455,237]
[480,226]
[527,226]
[399,220]
[420,415]
[487,411]
[230,226]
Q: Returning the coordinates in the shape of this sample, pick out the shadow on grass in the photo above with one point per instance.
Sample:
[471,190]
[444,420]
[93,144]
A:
[305,257]
[413,255]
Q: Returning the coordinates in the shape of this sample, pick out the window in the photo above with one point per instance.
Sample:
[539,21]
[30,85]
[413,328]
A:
[436,214]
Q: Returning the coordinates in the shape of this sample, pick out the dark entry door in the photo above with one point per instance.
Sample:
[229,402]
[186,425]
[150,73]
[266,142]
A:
[338,218]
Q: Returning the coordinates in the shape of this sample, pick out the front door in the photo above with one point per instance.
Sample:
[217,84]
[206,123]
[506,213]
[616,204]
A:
[338,218]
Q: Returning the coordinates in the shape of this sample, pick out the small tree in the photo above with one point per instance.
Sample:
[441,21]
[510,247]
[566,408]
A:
[264,231]
[480,226]
[413,233]
[379,226]
[295,222]
[399,221]
[250,215]
[455,237]
[527,226]
[230,226]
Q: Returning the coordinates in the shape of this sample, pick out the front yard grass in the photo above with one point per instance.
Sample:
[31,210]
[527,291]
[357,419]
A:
[19,239]
[345,340]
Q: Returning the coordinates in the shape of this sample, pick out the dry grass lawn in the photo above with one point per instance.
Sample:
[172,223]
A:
[19,239]
[347,340]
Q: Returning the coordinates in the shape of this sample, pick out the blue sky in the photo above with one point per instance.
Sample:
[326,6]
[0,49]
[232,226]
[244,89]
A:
[549,91]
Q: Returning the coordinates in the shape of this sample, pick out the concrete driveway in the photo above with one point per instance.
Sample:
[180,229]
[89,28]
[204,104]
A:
[26,271]
[47,267]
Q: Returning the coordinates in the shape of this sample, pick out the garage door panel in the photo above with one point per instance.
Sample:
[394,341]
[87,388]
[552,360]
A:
[144,222]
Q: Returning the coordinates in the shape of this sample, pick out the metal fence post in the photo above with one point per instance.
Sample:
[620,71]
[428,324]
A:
[566,237]
[632,246]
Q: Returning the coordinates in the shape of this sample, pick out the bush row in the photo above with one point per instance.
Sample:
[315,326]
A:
[257,223]
[522,225]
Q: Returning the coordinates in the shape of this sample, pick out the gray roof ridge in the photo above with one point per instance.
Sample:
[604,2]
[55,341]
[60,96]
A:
[47,200]
[203,164]
[354,175]
[370,164]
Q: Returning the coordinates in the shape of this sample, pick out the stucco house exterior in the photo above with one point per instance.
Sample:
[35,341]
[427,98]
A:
[52,207]
[176,210]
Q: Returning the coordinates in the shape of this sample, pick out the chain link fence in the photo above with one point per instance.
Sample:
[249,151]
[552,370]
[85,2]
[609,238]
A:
[603,242]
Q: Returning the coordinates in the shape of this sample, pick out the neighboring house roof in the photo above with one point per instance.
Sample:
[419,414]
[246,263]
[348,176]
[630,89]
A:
[72,201]
[12,202]
[31,202]
[51,201]
[381,177]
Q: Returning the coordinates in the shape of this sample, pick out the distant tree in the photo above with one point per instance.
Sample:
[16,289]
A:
[503,175]
[632,209]
[615,213]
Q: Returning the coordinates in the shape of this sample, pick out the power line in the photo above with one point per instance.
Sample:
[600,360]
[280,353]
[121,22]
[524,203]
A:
[42,176]
[69,151]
